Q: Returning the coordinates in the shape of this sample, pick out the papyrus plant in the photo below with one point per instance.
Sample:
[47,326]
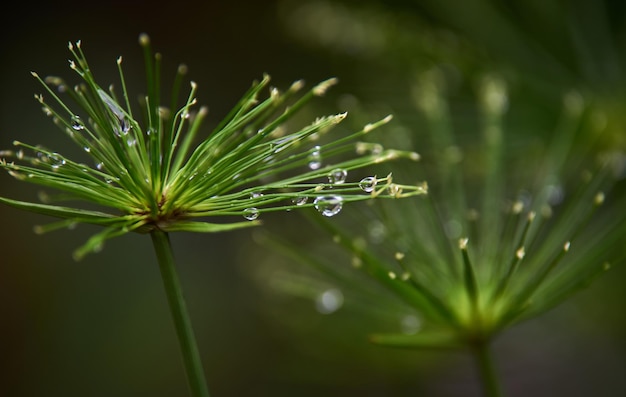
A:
[149,167]
[511,227]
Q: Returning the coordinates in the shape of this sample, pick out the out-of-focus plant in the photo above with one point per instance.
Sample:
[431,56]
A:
[512,226]
[147,170]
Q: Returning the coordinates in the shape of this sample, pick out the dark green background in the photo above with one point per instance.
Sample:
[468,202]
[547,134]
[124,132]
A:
[101,327]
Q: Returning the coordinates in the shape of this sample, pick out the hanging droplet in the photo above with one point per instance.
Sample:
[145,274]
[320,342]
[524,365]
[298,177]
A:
[368,184]
[77,123]
[337,176]
[254,195]
[315,158]
[100,166]
[328,205]
[87,149]
[251,213]
[300,200]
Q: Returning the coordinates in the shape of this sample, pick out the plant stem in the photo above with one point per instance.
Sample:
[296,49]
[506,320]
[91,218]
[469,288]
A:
[486,369]
[182,322]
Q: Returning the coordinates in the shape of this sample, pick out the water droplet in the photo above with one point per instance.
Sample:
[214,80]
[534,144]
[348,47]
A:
[337,176]
[300,200]
[256,195]
[56,161]
[77,123]
[251,213]
[329,301]
[100,166]
[124,125]
[328,205]
[410,324]
[315,158]
[87,149]
[377,231]
[368,184]
[131,142]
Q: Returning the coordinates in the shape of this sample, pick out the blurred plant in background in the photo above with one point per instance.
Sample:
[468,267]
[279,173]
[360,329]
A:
[523,209]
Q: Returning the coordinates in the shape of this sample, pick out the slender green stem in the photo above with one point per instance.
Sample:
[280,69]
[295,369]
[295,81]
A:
[487,370]
[188,345]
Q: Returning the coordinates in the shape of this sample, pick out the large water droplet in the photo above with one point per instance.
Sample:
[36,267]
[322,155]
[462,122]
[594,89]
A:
[315,158]
[251,213]
[368,184]
[328,205]
[329,301]
[337,176]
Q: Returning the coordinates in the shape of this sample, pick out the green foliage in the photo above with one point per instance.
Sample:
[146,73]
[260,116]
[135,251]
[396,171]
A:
[150,171]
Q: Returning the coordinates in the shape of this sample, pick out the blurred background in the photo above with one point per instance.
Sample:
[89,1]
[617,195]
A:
[101,327]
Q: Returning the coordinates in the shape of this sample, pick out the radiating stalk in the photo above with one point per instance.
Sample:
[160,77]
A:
[178,308]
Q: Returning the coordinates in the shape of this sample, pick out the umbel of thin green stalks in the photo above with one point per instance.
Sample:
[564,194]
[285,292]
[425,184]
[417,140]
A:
[503,235]
[153,169]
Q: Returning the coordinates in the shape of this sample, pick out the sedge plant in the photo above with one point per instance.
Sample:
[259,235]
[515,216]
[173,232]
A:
[149,169]
[510,228]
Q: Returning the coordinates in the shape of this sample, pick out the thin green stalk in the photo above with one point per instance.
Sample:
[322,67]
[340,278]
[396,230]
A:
[182,322]
[486,369]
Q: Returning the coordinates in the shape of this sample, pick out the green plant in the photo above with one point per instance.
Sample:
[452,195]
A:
[152,174]
[510,228]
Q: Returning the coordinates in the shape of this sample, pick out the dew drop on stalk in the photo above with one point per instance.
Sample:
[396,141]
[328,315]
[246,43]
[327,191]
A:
[87,149]
[368,184]
[100,166]
[77,123]
[337,176]
[328,205]
[300,200]
[251,213]
[315,158]
[56,161]
[254,195]
[124,125]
